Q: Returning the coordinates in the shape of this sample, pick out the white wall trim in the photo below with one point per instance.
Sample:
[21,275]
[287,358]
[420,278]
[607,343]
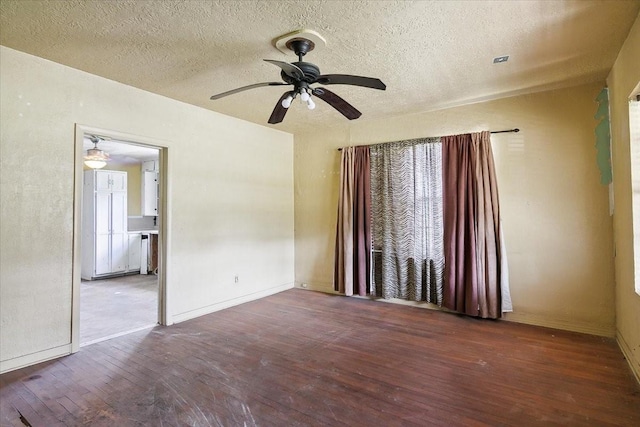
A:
[516,317]
[33,358]
[163,226]
[324,287]
[181,317]
[562,324]
[634,364]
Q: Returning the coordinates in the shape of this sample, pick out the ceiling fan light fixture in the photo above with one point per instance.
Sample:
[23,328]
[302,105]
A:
[95,157]
[95,164]
[310,104]
[286,103]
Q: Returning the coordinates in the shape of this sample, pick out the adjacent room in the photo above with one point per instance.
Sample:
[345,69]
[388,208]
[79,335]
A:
[320,213]
[119,244]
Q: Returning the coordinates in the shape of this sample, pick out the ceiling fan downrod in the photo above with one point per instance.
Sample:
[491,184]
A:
[300,46]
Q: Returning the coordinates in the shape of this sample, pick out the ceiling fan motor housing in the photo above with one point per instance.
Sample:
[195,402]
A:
[311,73]
[301,46]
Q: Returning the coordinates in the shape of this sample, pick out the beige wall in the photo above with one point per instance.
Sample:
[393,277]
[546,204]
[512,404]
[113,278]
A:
[555,212]
[230,206]
[623,78]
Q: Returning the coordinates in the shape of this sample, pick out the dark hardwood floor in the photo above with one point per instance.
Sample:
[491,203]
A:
[306,358]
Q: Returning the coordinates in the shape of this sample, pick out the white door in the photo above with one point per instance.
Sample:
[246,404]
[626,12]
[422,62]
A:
[149,193]
[103,180]
[119,234]
[103,233]
[119,252]
[118,212]
[135,246]
[119,181]
[103,254]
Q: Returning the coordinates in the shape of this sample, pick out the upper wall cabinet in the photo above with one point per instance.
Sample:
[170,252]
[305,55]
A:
[150,165]
[104,180]
[150,192]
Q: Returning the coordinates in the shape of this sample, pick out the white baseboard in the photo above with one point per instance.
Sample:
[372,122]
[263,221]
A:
[33,358]
[516,317]
[326,288]
[181,317]
[562,324]
[322,290]
[628,354]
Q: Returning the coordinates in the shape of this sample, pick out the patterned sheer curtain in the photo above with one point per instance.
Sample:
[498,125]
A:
[407,229]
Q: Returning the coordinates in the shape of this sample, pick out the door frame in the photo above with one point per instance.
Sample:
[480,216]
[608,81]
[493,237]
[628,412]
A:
[164,237]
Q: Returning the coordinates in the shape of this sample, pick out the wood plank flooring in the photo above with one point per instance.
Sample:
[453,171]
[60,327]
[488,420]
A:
[302,358]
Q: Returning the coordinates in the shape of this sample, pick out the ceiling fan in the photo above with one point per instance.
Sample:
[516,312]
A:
[302,75]
[95,157]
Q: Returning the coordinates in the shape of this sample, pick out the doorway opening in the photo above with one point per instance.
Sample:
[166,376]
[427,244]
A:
[119,230]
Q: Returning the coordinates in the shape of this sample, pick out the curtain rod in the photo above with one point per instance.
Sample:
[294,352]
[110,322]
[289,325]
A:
[514,130]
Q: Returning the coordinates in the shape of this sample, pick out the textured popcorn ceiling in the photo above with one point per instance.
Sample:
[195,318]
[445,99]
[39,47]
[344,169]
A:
[431,54]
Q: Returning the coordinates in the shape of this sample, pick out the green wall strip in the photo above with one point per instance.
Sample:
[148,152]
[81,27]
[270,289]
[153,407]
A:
[603,137]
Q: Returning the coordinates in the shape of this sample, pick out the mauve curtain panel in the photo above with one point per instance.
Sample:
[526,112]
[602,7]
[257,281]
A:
[472,231]
[353,232]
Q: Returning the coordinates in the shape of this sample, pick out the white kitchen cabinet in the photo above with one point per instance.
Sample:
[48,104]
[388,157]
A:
[135,247]
[150,173]
[149,193]
[150,165]
[105,239]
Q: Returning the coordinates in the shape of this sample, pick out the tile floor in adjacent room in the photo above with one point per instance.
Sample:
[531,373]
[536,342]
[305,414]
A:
[110,307]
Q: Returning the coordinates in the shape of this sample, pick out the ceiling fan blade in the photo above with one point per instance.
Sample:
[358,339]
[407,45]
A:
[289,69]
[278,113]
[243,88]
[346,79]
[346,109]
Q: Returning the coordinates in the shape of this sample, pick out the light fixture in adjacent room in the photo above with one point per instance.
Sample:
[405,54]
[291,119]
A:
[95,157]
